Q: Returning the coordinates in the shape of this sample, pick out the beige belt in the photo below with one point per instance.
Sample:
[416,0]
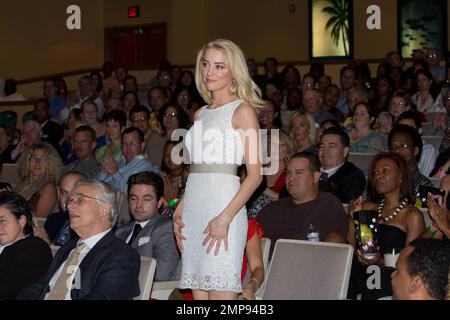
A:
[214,168]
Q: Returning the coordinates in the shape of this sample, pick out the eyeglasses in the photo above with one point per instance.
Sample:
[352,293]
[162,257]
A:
[36,159]
[400,147]
[141,119]
[170,114]
[132,143]
[80,198]
[164,78]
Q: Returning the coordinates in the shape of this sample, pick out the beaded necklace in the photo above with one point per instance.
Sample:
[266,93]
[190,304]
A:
[394,213]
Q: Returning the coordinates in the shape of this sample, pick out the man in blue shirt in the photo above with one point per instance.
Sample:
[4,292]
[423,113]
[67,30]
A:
[136,161]
[56,102]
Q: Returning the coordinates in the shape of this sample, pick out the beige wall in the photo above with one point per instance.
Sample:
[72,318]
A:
[39,43]
[35,40]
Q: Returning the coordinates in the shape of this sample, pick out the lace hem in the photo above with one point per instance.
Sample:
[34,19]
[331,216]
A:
[211,283]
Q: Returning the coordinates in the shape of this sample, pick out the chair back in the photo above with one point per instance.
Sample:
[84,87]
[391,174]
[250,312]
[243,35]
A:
[361,160]
[146,275]
[305,270]
[433,140]
[10,174]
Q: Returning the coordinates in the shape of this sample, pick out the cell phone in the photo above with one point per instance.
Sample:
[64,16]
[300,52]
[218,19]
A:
[422,195]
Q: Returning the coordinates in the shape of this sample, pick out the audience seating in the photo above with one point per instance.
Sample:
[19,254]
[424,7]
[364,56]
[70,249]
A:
[434,141]
[162,289]
[146,274]
[361,160]
[123,215]
[304,270]
[10,173]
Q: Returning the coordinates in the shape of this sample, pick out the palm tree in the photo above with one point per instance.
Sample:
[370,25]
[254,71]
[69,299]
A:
[338,11]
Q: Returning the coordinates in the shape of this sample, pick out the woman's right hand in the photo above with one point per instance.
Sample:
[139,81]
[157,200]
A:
[177,226]
[354,206]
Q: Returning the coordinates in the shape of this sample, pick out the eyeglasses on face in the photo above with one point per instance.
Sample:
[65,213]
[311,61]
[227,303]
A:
[81,198]
[400,147]
[140,119]
[170,114]
[132,143]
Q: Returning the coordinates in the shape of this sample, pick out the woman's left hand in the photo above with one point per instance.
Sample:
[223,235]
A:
[368,262]
[216,232]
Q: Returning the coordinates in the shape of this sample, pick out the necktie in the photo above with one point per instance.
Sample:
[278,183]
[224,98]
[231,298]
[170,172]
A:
[61,287]
[137,228]
[324,176]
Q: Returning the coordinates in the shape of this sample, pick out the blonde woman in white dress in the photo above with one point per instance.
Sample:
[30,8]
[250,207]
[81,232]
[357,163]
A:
[210,222]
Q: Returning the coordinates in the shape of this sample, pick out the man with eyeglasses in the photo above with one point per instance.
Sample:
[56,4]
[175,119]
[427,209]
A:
[96,264]
[133,145]
[406,142]
[154,143]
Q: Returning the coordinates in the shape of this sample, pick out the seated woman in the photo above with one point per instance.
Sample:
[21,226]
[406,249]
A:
[425,90]
[5,145]
[277,179]
[303,130]
[172,118]
[89,114]
[362,137]
[40,169]
[24,259]
[115,121]
[171,173]
[270,116]
[399,222]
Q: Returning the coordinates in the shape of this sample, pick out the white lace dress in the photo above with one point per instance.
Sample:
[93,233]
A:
[212,139]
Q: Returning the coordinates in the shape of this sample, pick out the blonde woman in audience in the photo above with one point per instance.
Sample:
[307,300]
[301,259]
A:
[303,130]
[276,180]
[40,169]
[362,137]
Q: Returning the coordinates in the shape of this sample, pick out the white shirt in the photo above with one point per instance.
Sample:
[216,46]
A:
[331,171]
[90,243]
[143,224]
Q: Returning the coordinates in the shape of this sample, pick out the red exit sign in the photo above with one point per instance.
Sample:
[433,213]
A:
[133,12]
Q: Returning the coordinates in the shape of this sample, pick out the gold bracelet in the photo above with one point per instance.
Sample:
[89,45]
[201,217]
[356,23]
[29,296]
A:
[254,279]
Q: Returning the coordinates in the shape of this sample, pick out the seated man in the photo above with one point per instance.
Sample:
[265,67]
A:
[52,132]
[133,145]
[106,268]
[150,234]
[290,218]
[422,271]
[57,226]
[406,142]
[84,144]
[338,176]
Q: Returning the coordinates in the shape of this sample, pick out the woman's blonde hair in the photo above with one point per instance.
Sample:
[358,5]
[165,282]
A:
[242,85]
[53,172]
[291,144]
[311,122]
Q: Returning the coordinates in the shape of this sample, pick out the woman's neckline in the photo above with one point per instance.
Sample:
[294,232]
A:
[223,105]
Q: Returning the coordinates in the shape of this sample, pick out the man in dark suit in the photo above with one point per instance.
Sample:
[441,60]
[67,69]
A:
[338,176]
[150,234]
[97,265]
[52,132]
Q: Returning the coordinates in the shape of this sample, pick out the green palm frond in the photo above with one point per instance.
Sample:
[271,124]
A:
[338,21]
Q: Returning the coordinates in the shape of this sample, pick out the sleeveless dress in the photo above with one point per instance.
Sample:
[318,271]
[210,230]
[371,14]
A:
[212,140]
